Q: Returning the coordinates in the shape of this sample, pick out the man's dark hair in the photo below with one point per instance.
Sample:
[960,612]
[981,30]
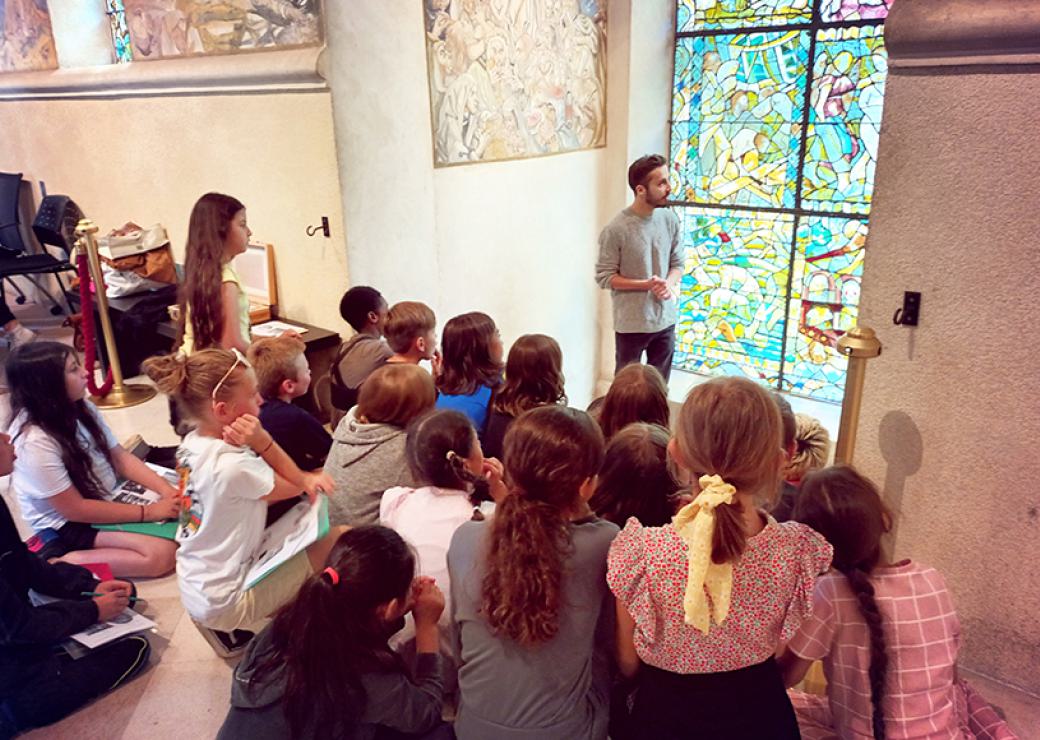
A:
[642,167]
[357,303]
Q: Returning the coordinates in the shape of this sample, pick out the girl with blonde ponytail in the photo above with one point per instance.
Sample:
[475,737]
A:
[528,590]
[704,602]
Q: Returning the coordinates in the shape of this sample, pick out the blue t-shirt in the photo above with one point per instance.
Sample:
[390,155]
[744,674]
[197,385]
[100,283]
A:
[474,405]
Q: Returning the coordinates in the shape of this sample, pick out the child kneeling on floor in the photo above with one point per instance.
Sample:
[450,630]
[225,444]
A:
[234,471]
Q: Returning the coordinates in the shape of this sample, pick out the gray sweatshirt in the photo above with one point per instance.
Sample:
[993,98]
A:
[638,248]
[365,460]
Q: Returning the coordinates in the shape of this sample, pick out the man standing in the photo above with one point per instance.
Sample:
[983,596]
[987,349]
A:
[636,249]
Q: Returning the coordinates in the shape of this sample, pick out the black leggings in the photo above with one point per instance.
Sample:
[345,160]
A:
[746,704]
[64,685]
[5,313]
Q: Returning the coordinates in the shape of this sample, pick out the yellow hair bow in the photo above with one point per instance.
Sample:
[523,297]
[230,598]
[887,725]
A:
[695,524]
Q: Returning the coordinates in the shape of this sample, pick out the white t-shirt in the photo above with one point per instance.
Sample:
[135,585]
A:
[39,472]
[224,524]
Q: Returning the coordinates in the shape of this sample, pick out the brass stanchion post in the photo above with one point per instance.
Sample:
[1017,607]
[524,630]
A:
[859,344]
[122,394]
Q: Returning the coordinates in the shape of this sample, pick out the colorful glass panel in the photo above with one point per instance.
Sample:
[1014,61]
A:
[736,102]
[825,290]
[844,119]
[832,11]
[731,303]
[120,33]
[700,15]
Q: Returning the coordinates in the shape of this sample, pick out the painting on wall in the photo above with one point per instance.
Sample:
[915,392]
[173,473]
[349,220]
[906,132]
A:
[511,79]
[161,29]
[26,39]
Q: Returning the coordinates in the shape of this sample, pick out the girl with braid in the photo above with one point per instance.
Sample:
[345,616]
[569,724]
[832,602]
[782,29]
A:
[887,633]
[528,591]
[704,601]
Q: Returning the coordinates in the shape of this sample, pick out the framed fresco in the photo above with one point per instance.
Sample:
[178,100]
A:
[161,29]
[512,79]
[26,38]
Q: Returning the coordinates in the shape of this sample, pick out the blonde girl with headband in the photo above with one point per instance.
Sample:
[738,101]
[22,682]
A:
[232,470]
[323,668]
[704,601]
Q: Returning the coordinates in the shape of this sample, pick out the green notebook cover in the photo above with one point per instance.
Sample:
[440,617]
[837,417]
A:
[165,530]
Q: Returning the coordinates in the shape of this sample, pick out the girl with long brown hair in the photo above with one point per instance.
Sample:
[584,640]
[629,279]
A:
[68,465]
[637,393]
[882,629]
[534,377]
[471,366]
[529,597]
[214,310]
[704,601]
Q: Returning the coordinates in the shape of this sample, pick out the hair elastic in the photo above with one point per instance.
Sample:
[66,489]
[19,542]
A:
[332,574]
[450,455]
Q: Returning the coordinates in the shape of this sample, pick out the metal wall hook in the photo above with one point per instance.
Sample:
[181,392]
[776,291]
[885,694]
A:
[323,228]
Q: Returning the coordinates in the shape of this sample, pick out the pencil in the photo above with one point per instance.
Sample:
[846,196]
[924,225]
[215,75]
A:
[96,593]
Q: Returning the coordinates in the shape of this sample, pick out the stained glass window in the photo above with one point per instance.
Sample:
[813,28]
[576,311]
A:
[120,32]
[776,113]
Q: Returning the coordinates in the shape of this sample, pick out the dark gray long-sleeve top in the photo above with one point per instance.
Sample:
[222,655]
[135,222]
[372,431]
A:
[638,248]
[555,691]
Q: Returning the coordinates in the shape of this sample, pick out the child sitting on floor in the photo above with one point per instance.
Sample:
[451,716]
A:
[637,393]
[234,470]
[39,682]
[529,598]
[411,332]
[887,632]
[534,377]
[636,479]
[282,374]
[704,602]
[472,366]
[323,669]
[367,455]
[454,482]
[68,462]
[365,309]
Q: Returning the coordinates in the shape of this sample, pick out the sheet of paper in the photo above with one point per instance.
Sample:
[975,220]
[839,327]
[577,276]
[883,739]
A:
[300,527]
[275,328]
[102,633]
[130,492]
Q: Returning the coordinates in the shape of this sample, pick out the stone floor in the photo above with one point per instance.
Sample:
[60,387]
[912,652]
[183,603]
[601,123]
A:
[184,694]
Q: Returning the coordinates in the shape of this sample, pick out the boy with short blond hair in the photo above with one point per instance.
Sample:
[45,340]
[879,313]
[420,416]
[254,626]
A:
[282,374]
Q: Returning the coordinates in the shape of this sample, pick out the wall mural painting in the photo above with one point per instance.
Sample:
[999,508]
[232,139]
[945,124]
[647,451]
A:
[160,29]
[26,39]
[515,78]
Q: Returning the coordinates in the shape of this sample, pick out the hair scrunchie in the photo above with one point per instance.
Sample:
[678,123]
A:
[695,525]
[333,575]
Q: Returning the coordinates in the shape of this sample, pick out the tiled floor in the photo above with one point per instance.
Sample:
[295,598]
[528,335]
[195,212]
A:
[184,694]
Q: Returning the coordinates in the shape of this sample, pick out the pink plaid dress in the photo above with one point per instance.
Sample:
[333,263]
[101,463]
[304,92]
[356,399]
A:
[923,699]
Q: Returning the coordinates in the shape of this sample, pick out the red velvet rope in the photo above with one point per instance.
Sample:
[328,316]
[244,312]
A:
[86,307]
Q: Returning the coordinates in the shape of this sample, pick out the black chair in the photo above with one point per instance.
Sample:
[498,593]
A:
[14,259]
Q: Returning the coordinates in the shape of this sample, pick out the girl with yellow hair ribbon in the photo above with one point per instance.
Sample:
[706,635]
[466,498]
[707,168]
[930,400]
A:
[704,602]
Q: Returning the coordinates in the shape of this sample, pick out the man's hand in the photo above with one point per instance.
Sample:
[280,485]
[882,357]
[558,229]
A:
[660,288]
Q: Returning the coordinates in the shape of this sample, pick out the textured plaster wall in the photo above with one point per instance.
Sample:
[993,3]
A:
[951,416]
[514,239]
[149,159]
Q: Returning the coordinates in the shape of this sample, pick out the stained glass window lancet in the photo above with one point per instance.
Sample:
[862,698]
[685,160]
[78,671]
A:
[776,115]
[120,32]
